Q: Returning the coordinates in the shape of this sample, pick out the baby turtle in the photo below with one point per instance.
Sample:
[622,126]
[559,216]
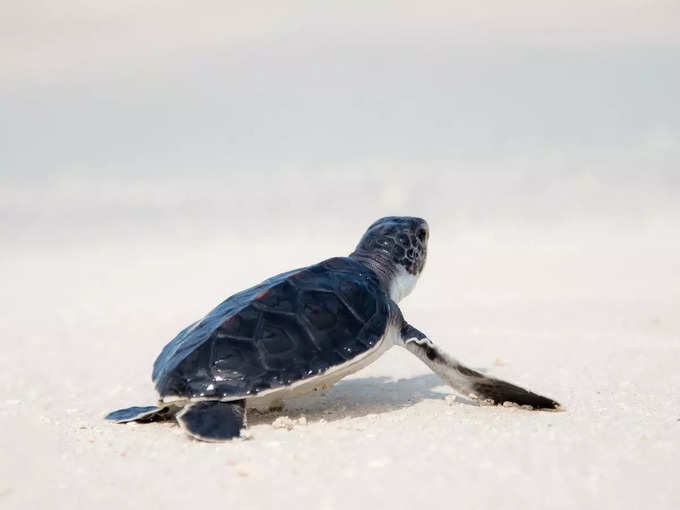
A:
[304,330]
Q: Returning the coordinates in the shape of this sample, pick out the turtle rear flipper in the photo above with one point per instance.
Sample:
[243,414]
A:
[213,420]
[144,414]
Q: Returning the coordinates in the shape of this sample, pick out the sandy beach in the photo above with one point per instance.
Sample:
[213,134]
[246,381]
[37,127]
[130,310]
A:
[584,310]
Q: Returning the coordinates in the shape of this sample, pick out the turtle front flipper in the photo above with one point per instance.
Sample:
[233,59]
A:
[471,383]
[213,420]
[141,414]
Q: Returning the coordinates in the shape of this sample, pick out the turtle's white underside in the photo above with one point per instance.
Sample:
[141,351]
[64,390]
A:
[268,398]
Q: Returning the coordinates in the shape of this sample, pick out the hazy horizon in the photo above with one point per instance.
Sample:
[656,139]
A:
[130,89]
[163,120]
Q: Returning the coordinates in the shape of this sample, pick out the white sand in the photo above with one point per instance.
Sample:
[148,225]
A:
[580,307]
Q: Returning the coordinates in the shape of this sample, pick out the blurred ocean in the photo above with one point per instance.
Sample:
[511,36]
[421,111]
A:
[537,135]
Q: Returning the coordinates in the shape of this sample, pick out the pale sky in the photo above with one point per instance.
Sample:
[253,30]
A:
[169,86]
[46,41]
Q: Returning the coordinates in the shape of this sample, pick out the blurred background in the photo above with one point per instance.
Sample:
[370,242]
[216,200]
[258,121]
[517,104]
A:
[156,157]
[541,142]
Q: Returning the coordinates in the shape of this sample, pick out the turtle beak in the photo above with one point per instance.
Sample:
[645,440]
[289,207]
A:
[423,232]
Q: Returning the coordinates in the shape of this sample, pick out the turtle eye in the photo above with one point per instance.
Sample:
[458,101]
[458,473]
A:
[422,234]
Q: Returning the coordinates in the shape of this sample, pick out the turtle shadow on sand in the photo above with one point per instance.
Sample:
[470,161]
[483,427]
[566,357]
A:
[359,397]
[356,398]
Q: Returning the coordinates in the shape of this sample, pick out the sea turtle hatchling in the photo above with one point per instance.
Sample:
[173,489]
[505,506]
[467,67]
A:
[304,330]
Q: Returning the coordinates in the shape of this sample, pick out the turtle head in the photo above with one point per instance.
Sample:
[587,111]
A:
[395,248]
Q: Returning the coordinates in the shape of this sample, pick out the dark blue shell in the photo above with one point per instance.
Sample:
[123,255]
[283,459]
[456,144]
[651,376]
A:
[290,327]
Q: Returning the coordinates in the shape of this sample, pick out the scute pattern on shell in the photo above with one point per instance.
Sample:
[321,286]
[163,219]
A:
[293,326]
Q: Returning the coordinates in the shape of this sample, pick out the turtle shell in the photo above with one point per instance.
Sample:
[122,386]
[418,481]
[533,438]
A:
[290,327]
